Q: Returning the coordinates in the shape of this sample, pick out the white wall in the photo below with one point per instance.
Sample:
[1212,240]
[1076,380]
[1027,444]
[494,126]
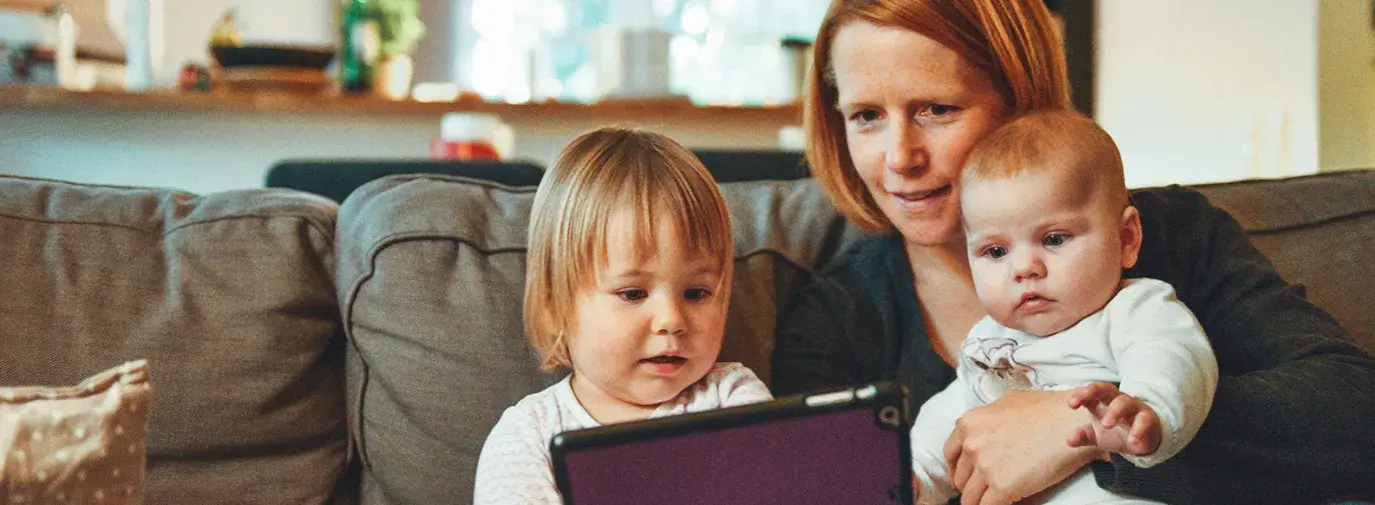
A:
[204,152]
[1210,90]
[1346,85]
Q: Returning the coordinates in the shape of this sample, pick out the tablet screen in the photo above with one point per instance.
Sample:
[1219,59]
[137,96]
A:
[785,451]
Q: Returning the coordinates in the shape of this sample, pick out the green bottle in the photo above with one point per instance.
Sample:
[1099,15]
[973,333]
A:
[361,44]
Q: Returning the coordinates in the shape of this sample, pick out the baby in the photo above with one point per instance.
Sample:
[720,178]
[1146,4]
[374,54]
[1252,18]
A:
[1050,227]
[627,285]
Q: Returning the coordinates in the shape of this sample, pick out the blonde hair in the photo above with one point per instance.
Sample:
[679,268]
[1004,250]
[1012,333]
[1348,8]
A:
[1051,142]
[601,173]
[1015,42]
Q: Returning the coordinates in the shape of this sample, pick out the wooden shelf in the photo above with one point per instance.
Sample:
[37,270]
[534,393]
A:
[36,97]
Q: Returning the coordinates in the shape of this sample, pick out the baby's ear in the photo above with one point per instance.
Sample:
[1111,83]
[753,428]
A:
[1130,232]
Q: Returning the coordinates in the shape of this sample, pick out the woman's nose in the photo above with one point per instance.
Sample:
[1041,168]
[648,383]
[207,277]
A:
[906,150]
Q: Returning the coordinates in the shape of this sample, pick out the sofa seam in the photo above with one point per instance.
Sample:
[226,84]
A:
[1312,223]
[308,219]
[304,217]
[32,219]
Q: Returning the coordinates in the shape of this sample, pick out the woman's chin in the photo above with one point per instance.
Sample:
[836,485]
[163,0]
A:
[938,231]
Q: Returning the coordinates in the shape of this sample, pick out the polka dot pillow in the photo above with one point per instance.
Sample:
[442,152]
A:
[82,444]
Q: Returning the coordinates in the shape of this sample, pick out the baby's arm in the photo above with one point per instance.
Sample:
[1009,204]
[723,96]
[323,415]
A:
[1139,433]
[935,421]
[514,467]
[1165,364]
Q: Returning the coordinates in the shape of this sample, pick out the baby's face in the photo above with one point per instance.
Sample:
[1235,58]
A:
[1045,249]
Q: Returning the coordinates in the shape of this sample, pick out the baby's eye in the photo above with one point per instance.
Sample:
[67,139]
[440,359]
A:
[633,294]
[995,252]
[1055,240]
[697,294]
[938,110]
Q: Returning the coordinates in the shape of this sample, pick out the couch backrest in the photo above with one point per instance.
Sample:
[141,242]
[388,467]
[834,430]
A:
[230,299]
[431,273]
[1319,231]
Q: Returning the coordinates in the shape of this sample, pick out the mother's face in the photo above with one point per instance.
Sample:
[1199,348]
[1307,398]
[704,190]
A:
[913,109]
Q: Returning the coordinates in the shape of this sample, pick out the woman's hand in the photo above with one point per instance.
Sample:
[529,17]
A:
[1015,447]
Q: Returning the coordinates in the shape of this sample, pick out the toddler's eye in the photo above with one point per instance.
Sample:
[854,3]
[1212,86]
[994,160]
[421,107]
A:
[1055,240]
[995,252]
[697,294]
[633,295]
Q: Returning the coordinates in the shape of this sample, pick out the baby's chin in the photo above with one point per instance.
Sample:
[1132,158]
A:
[1040,325]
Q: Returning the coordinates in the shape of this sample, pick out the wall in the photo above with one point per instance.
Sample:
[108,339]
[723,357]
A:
[203,152]
[1214,90]
[1346,85]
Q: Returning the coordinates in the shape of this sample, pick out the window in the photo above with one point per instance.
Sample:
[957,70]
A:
[720,51]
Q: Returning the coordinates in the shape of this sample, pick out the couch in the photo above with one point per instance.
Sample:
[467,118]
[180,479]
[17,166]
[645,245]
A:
[303,352]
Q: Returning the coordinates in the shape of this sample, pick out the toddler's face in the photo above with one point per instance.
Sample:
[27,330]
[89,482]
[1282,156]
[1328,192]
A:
[651,325]
[1045,250]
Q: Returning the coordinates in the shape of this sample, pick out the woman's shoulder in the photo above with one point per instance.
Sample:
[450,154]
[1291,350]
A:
[1180,231]
[852,289]
[1172,204]
[868,262]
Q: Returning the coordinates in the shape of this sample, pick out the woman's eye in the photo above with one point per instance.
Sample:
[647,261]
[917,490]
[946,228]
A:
[1055,240]
[938,110]
[697,294]
[937,113]
[864,117]
[995,252]
[633,295]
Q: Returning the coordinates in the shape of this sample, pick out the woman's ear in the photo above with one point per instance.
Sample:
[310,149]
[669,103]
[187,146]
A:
[1130,232]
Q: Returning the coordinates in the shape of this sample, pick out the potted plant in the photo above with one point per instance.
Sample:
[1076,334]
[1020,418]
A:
[399,31]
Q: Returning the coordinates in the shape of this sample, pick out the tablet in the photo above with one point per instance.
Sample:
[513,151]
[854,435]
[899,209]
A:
[843,446]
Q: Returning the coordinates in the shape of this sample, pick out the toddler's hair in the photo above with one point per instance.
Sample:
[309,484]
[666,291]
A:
[602,173]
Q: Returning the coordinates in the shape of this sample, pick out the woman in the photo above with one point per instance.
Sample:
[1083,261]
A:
[901,90]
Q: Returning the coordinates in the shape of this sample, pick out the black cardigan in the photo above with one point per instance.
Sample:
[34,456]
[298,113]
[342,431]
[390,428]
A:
[1294,416]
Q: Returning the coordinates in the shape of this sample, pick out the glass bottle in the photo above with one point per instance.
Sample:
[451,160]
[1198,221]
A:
[359,49]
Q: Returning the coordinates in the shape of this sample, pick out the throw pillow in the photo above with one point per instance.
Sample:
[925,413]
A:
[80,444]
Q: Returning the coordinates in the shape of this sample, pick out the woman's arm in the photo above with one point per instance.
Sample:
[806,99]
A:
[1291,421]
[813,348]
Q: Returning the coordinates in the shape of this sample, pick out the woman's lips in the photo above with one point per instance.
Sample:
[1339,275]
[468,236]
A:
[920,200]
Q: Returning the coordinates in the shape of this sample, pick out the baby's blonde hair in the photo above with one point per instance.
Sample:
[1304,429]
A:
[1051,141]
[600,173]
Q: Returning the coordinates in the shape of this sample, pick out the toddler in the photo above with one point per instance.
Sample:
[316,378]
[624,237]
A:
[627,285]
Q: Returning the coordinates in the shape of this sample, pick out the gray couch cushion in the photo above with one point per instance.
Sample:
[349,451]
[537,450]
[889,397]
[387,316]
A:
[1319,231]
[431,273]
[229,298]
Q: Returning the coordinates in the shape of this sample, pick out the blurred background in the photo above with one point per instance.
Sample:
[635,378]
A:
[207,95]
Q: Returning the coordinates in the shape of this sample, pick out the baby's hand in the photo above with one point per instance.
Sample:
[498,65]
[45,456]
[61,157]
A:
[1121,422]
